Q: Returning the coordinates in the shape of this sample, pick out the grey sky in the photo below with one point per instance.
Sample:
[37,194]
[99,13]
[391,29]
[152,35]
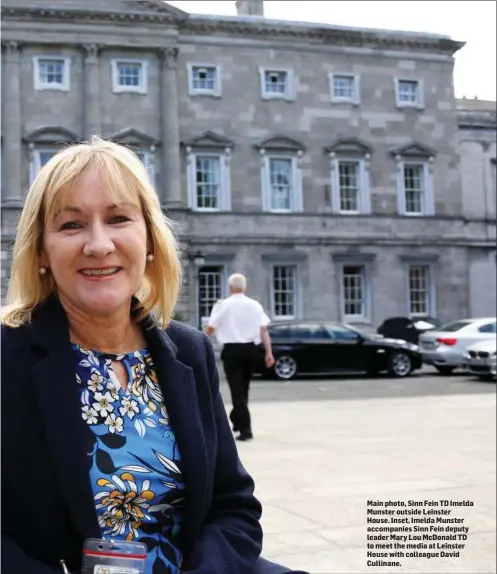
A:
[472,21]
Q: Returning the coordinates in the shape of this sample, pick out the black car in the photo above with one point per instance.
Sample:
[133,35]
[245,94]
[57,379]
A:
[406,328]
[313,347]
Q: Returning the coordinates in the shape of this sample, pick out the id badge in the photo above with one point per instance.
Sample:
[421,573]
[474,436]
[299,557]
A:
[101,556]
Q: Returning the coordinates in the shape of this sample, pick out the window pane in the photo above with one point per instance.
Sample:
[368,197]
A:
[343,87]
[284,290]
[204,78]
[51,71]
[210,289]
[419,290]
[408,91]
[45,156]
[208,181]
[275,82]
[280,182]
[414,187]
[348,178]
[129,74]
[353,291]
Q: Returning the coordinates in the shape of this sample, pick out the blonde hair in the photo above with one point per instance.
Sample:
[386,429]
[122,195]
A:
[237,281]
[125,175]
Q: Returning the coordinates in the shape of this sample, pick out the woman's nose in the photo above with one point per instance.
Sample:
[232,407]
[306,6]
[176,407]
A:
[99,242]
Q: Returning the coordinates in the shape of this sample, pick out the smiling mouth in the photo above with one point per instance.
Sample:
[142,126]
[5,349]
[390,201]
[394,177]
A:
[109,271]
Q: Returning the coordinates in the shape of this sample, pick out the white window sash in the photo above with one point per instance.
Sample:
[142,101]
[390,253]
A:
[289,93]
[296,292]
[430,290]
[296,205]
[355,98]
[427,198]
[420,100]
[216,91]
[224,199]
[35,161]
[365,316]
[66,73]
[117,88]
[364,194]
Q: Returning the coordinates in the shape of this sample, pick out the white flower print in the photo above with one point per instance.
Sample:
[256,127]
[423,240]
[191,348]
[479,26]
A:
[103,403]
[129,407]
[95,382]
[89,415]
[114,423]
[164,420]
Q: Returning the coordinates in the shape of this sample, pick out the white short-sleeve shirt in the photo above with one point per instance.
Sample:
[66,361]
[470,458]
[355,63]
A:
[238,319]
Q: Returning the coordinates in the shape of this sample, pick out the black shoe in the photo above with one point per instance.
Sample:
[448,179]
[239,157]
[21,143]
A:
[247,435]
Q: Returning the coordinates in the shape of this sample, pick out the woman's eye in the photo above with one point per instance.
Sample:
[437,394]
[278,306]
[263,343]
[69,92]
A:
[119,219]
[70,225]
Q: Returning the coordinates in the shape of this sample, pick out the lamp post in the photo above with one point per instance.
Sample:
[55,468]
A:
[198,262]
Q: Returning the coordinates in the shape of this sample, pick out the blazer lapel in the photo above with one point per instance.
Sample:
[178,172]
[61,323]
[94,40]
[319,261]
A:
[58,397]
[177,382]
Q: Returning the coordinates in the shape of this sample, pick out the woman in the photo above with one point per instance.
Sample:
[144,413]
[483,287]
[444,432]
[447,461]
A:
[113,425]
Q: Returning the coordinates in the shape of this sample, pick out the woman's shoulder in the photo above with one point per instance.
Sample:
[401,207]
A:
[184,335]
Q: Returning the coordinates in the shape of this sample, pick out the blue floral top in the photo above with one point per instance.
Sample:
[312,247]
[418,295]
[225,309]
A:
[135,463]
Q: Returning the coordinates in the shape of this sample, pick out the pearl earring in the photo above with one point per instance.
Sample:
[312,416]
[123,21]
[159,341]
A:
[150,257]
[42,270]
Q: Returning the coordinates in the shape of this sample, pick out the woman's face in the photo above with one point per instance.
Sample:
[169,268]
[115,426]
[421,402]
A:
[96,250]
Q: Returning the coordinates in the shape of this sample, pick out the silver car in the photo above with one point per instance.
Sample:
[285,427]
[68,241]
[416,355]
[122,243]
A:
[444,347]
[480,359]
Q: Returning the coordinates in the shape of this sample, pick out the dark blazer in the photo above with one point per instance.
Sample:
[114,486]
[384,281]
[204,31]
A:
[47,504]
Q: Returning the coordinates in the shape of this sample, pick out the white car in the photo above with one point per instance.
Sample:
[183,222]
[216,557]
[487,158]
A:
[480,359]
[444,347]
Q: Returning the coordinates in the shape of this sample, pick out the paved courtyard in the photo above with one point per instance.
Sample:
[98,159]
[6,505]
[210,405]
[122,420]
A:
[324,447]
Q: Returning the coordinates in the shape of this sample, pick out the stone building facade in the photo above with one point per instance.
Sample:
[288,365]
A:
[477,134]
[323,162]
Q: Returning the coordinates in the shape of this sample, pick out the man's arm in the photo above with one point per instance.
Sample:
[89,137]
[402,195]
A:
[209,330]
[266,339]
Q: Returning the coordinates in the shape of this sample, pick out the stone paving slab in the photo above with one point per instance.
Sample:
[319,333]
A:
[316,463]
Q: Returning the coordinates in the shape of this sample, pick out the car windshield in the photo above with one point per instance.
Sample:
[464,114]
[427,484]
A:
[456,326]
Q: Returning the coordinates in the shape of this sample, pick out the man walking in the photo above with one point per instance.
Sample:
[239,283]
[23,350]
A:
[240,324]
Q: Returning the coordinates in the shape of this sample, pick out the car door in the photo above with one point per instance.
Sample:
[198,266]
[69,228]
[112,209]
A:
[311,343]
[344,352]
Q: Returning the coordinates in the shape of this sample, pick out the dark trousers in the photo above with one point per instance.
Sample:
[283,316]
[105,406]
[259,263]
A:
[239,363]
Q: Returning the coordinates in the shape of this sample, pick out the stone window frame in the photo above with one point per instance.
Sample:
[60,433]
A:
[34,158]
[364,261]
[38,85]
[419,104]
[209,144]
[414,153]
[141,144]
[429,262]
[217,91]
[355,99]
[281,147]
[350,149]
[117,88]
[296,261]
[289,94]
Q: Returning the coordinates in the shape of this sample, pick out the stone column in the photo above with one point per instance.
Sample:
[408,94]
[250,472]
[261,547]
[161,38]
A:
[171,175]
[12,150]
[91,112]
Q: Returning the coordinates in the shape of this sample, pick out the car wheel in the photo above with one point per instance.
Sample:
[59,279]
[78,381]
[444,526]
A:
[285,367]
[399,364]
[444,370]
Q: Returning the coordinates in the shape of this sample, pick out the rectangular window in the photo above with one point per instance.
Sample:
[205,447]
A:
[51,73]
[129,75]
[354,292]
[281,183]
[348,182]
[146,159]
[419,290]
[409,93]
[210,289]
[204,80]
[414,188]
[38,159]
[208,181]
[276,84]
[284,291]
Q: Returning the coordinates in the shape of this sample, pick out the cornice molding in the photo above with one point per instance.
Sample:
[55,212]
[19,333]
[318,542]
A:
[257,28]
